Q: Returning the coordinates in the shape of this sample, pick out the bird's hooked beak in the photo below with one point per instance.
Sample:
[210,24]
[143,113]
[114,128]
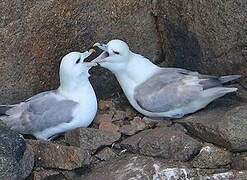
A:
[101,46]
[87,54]
[103,55]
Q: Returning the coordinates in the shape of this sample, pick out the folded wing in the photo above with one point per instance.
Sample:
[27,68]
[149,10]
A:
[42,111]
[172,88]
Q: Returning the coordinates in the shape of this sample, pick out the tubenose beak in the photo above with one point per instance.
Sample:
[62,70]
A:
[90,64]
[86,55]
[103,55]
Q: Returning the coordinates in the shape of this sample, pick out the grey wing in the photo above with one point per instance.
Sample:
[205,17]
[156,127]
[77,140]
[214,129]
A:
[172,88]
[39,113]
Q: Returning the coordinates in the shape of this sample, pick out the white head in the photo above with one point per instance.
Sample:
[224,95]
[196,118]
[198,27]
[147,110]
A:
[115,56]
[74,69]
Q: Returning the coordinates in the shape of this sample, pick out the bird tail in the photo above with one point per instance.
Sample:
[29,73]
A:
[5,108]
[225,79]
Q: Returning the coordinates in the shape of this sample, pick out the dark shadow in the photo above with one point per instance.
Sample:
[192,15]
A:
[183,46]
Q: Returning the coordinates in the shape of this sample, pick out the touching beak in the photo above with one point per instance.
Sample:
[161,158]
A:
[90,64]
[87,54]
[101,46]
[103,55]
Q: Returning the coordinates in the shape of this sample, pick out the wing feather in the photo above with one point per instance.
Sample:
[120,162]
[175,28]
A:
[172,88]
[40,112]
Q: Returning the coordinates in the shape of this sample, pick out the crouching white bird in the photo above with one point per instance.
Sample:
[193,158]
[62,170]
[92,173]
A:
[50,113]
[156,91]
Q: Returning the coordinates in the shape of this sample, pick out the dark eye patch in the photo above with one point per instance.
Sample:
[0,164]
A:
[78,61]
[115,52]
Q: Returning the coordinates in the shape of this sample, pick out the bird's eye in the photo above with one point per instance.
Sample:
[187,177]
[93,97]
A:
[115,52]
[78,61]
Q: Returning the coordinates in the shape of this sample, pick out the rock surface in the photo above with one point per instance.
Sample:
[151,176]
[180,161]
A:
[108,127]
[238,175]
[193,174]
[239,161]
[50,155]
[106,154]
[199,35]
[136,125]
[36,34]
[132,166]
[126,167]
[211,156]
[43,174]
[16,158]
[222,125]
[163,142]
[90,138]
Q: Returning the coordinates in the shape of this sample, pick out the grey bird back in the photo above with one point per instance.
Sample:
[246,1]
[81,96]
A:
[40,112]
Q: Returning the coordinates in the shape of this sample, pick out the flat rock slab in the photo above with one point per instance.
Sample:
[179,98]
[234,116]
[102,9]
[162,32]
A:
[134,166]
[163,142]
[50,155]
[127,167]
[222,125]
[238,175]
[185,173]
[90,138]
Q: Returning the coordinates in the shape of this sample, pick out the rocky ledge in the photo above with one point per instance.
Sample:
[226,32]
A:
[122,144]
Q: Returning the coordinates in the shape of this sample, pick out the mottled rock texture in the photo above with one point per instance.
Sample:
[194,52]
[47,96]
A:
[90,138]
[163,142]
[211,156]
[223,125]
[208,36]
[36,34]
[16,158]
[126,167]
[51,155]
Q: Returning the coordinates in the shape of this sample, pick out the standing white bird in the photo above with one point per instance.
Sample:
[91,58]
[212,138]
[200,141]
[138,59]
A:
[50,113]
[156,91]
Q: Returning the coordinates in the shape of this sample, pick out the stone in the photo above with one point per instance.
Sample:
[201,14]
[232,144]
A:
[134,166]
[151,122]
[128,129]
[108,127]
[224,125]
[103,118]
[125,167]
[178,173]
[211,156]
[163,142]
[239,161]
[174,173]
[119,115]
[36,34]
[139,123]
[16,158]
[238,175]
[50,155]
[27,162]
[90,138]
[105,105]
[130,112]
[106,154]
[43,174]
[136,125]
[206,36]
